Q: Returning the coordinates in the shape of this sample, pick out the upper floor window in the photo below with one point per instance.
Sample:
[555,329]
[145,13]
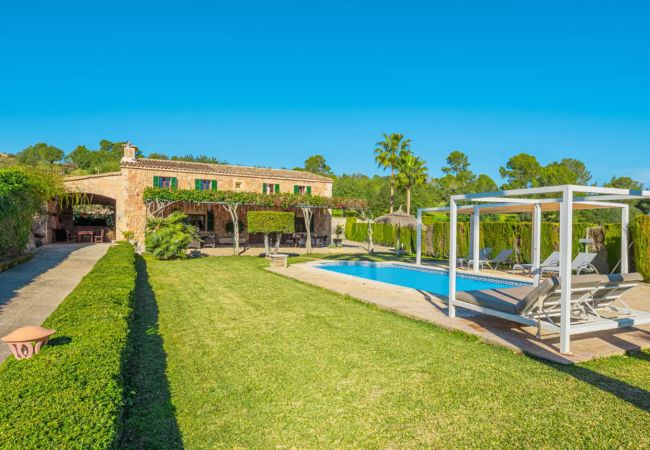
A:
[302,190]
[205,185]
[165,182]
[270,188]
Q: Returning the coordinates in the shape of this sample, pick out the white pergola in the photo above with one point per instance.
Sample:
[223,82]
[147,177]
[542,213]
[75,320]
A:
[565,199]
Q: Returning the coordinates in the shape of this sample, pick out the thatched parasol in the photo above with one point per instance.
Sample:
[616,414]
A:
[400,219]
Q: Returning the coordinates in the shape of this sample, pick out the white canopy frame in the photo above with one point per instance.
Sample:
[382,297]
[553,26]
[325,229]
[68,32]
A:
[511,201]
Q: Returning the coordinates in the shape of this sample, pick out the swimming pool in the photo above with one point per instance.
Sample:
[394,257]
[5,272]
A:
[430,280]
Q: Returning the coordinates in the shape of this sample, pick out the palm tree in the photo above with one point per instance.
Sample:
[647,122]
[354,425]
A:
[387,155]
[411,172]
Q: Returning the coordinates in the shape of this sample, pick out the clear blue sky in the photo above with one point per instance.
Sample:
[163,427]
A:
[269,83]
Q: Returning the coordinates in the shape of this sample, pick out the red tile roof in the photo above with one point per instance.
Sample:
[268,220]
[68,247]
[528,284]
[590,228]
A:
[225,169]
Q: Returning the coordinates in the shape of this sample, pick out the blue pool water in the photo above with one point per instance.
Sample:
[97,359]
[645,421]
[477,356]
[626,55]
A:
[434,281]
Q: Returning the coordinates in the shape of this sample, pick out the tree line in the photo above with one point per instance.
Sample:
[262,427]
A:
[407,183]
[83,160]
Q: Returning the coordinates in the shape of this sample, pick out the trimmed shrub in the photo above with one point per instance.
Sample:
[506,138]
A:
[268,222]
[70,395]
[640,234]
[271,222]
[169,237]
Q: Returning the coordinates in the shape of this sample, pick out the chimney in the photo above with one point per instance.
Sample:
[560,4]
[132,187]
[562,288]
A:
[129,153]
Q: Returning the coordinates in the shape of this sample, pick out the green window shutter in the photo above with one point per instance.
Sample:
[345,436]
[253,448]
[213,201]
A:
[197,184]
[308,190]
[214,185]
[295,188]
[277,188]
[263,188]
[174,183]
[210,221]
[156,181]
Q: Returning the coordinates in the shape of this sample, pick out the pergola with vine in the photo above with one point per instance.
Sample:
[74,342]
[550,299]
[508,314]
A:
[158,200]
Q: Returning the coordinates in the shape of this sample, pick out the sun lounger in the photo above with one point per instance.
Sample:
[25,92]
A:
[583,263]
[553,260]
[502,258]
[591,297]
[483,254]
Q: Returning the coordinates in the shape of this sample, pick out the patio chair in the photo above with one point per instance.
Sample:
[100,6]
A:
[583,263]
[553,260]
[98,239]
[71,237]
[541,305]
[483,254]
[210,241]
[502,258]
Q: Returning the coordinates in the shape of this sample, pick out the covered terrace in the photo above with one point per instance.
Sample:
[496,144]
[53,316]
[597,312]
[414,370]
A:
[565,199]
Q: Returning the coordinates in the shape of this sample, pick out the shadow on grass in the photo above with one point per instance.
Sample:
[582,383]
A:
[150,416]
[634,395]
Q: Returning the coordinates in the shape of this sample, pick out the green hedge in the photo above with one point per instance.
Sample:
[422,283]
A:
[271,222]
[640,234]
[498,235]
[70,395]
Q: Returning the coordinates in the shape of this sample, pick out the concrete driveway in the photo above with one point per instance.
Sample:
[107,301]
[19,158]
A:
[30,292]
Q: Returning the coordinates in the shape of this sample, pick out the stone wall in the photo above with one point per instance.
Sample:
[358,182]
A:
[127,188]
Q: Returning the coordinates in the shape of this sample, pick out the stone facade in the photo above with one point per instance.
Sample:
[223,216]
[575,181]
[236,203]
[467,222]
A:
[126,188]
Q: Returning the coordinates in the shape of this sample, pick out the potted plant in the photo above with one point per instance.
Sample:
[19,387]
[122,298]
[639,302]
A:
[128,236]
[338,231]
[110,235]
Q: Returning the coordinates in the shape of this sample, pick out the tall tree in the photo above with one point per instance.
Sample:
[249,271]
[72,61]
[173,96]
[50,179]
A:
[483,183]
[521,171]
[155,155]
[105,159]
[318,165]
[624,183]
[387,155]
[198,158]
[582,175]
[39,154]
[411,172]
[459,179]
[566,171]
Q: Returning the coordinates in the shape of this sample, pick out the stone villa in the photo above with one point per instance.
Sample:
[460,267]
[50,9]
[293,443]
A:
[123,191]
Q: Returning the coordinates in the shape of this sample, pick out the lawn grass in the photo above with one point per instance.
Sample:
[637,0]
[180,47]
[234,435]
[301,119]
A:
[235,356]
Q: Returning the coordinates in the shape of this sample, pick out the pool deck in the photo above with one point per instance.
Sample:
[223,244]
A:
[431,308]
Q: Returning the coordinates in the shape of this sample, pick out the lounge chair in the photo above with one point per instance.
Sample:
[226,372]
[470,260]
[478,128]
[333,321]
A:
[553,260]
[502,258]
[583,263]
[591,296]
[483,254]
[99,238]
[611,291]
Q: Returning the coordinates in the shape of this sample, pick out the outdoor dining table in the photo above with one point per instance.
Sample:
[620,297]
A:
[90,235]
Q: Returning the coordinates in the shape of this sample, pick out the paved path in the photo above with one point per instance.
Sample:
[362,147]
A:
[521,339]
[31,291]
[348,247]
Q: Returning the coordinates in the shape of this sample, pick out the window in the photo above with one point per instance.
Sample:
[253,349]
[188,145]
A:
[198,220]
[270,188]
[299,223]
[205,185]
[302,190]
[165,182]
[237,184]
